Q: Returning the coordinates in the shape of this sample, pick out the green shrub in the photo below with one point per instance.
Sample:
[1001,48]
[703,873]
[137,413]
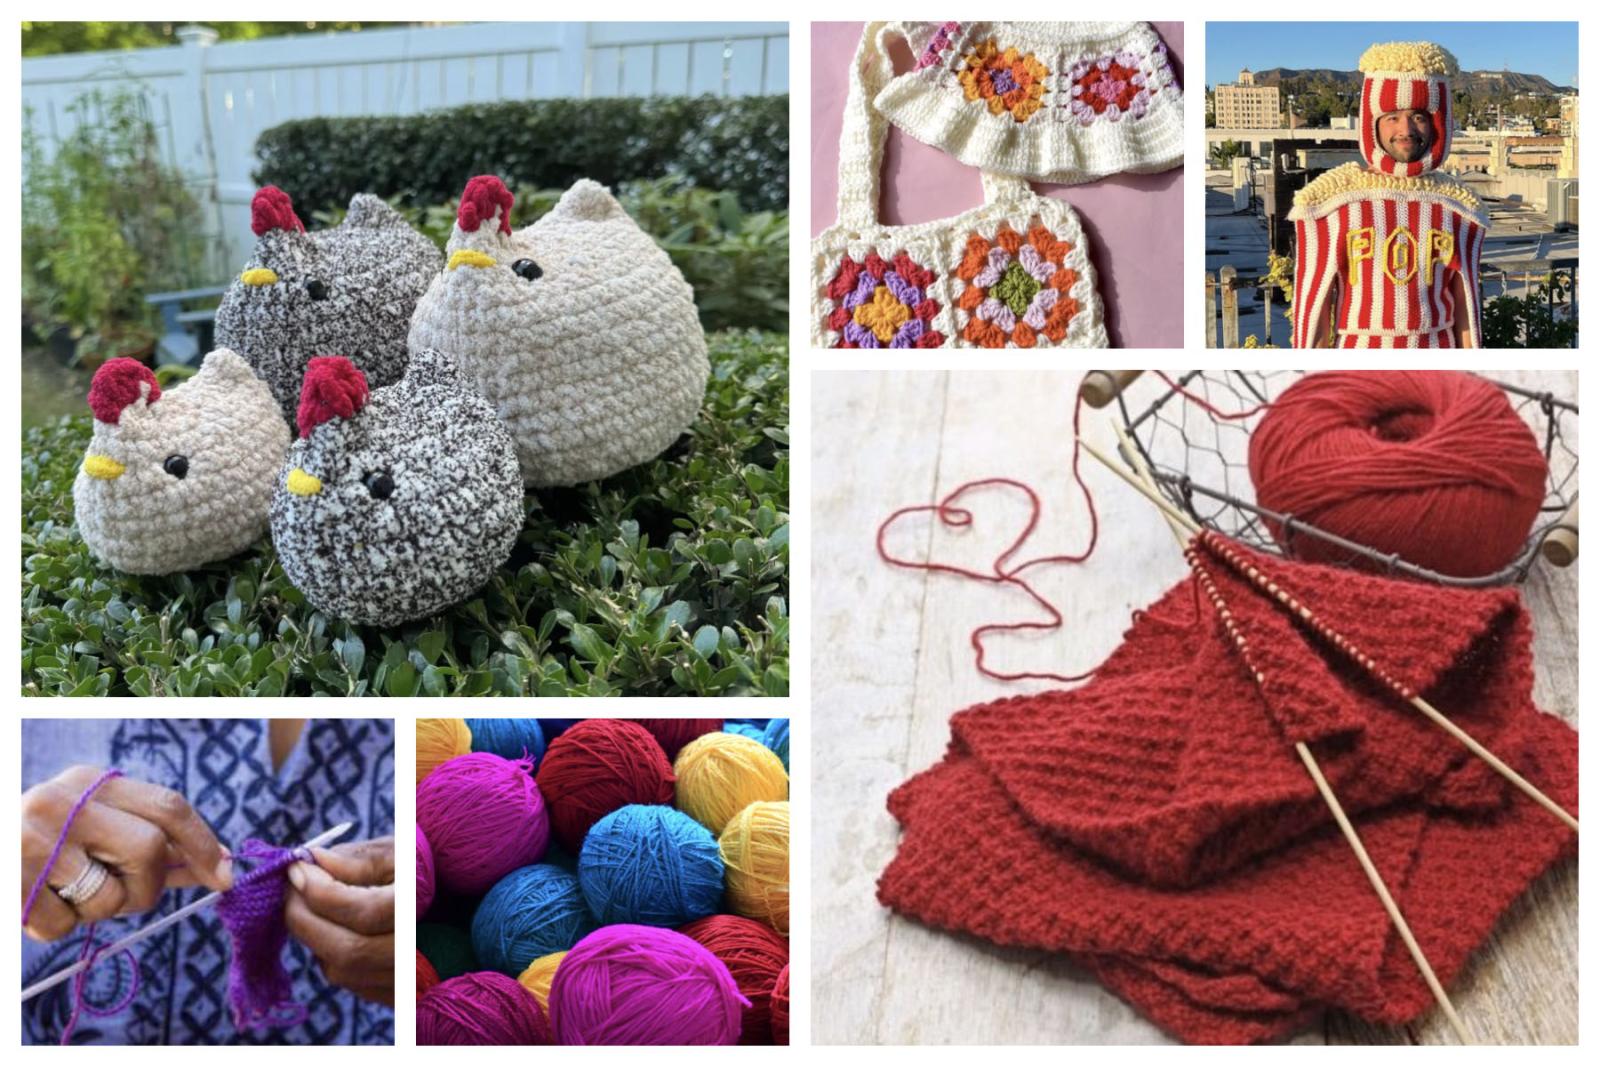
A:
[671,578]
[1544,318]
[738,144]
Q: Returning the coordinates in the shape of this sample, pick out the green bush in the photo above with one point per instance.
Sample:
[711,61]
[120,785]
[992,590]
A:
[738,144]
[669,579]
[1544,318]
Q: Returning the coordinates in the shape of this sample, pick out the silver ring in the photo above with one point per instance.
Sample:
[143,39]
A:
[90,881]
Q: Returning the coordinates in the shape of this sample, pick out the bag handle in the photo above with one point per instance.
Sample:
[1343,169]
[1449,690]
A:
[864,130]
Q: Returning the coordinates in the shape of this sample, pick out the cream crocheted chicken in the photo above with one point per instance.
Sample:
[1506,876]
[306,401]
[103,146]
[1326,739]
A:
[178,478]
[578,329]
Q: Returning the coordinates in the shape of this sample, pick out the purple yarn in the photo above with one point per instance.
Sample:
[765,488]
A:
[903,291]
[259,989]
[908,334]
[860,336]
[866,285]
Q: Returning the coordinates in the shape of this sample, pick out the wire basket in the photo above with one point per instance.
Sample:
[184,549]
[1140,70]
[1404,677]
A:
[1199,461]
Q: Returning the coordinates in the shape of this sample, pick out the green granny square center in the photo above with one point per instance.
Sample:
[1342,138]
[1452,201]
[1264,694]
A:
[1016,289]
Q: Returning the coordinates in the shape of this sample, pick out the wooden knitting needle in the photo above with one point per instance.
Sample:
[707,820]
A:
[327,837]
[1439,719]
[1179,523]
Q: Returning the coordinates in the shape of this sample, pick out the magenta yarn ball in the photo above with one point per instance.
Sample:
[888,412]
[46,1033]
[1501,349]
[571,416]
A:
[484,817]
[424,874]
[644,985]
[481,1008]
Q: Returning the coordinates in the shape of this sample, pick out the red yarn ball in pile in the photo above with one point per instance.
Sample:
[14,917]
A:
[780,1008]
[1436,467]
[673,734]
[596,767]
[481,1008]
[754,955]
[427,977]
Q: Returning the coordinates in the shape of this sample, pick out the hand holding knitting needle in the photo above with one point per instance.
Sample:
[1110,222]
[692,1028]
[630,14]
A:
[342,909]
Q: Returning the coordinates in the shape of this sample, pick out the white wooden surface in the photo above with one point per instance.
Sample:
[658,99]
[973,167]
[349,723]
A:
[892,663]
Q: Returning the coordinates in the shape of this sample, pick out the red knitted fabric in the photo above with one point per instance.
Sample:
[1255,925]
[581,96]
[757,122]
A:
[1157,826]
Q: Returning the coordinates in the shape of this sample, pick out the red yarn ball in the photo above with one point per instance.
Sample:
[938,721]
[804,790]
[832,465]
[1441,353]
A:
[116,385]
[333,388]
[755,956]
[427,977]
[596,767]
[1436,467]
[481,1008]
[673,734]
[780,1008]
[271,209]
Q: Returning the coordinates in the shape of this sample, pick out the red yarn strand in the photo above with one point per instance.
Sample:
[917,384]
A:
[1205,405]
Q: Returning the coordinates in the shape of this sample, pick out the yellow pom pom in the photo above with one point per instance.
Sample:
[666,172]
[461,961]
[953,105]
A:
[721,774]
[755,857]
[537,978]
[439,740]
[1409,57]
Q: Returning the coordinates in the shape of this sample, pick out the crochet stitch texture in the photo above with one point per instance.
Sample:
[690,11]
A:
[578,329]
[1155,825]
[181,477]
[346,291]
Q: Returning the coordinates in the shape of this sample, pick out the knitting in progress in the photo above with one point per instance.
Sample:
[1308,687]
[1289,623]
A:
[174,479]
[1065,102]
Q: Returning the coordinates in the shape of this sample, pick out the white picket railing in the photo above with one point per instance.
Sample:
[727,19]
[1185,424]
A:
[209,102]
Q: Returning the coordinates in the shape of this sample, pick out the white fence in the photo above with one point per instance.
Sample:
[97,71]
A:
[210,101]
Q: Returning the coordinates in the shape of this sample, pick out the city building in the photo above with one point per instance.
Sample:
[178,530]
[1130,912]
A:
[1244,105]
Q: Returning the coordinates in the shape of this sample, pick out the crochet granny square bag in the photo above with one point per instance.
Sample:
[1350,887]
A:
[1050,101]
[1013,273]
[398,502]
[349,289]
[177,478]
[578,329]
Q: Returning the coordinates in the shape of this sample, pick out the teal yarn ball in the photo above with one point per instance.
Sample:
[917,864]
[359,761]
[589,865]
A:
[744,729]
[650,865]
[776,737]
[531,912]
[510,738]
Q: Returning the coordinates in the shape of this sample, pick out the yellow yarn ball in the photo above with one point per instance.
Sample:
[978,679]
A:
[537,978]
[439,740]
[720,775]
[755,855]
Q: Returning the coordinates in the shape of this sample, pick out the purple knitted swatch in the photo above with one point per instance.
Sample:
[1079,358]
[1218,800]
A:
[259,989]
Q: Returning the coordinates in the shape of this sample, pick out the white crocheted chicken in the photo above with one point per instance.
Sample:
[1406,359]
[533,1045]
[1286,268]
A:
[578,329]
[178,478]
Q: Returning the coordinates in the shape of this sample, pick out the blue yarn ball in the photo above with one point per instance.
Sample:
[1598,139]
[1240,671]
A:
[776,737]
[509,738]
[650,865]
[531,912]
[759,724]
[744,729]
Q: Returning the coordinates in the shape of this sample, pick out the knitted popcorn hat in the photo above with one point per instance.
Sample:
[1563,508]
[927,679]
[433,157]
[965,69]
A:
[397,502]
[1400,76]
[577,328]
[348,289]
[177,478]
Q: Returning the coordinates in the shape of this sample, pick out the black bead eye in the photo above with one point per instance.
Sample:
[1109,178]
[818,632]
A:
[380,485]
[316,290]
[176,465]
[526,268]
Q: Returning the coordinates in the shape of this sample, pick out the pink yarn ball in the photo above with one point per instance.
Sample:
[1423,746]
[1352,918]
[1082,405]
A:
[481,1008]
[484,817]
[644,985]
[424,874]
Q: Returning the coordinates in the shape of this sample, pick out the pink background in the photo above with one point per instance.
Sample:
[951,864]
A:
[1134,221]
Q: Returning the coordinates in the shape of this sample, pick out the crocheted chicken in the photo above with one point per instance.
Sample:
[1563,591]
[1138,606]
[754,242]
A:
[349,289]
[177,478]
[395,502]
[577,328]
[1156,826]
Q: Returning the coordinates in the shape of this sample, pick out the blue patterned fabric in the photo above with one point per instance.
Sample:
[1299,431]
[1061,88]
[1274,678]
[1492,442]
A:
[340,770]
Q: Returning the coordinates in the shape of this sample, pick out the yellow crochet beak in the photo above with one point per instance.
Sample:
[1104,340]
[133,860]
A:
[103,467]
[259,276]
[302,484]
[466,257]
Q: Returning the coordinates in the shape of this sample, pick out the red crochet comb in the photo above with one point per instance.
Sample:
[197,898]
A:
[116,385]
[334,389]
[482,195]
[271,209]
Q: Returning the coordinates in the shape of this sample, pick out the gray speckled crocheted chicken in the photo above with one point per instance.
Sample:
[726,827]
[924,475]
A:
[577,328]
[178,478]
[398,502]
[346,291]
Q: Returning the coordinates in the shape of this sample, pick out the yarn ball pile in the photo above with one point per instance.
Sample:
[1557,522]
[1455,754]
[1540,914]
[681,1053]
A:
[633,926]
[1435,467]
[439,740]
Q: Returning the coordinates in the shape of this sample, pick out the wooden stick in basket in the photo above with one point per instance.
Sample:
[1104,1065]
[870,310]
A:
[1101,387]
[1561,546]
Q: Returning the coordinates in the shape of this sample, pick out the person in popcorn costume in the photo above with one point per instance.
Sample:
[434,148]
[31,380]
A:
[1386,250]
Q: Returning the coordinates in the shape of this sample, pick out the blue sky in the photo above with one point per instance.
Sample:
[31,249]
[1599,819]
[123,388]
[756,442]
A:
[1547,48]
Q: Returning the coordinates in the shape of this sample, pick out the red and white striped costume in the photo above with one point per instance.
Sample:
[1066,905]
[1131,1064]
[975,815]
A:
[1386,241]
